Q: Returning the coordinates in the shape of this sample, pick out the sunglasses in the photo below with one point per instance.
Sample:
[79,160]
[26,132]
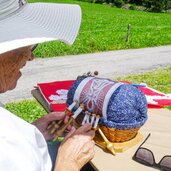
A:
[33,47]
[146,157]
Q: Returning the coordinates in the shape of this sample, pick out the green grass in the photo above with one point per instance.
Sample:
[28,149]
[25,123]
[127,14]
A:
[157,79]
[30,110]
[104,28]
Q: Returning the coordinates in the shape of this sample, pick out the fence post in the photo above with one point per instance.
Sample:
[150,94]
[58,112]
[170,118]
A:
[128,33]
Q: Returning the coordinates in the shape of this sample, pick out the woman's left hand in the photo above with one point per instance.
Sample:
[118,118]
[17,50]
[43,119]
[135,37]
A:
[43,122]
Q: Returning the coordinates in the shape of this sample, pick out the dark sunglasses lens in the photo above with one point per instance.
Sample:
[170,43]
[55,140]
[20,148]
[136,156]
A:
[144,156]
[165,164]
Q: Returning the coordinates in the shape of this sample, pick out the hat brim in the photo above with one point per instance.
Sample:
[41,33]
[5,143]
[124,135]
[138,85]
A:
[40,22]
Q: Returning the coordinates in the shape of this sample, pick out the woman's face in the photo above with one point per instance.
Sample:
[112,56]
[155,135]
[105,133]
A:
[10,64]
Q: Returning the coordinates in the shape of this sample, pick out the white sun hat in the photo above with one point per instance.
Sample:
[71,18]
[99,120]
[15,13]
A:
[23,24]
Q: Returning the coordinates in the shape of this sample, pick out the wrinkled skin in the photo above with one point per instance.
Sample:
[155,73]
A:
[43,122]
[78,146]
[10,65]
[81,151]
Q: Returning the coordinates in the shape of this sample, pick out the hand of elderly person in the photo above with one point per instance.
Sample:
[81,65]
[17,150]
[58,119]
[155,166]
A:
[43,122]
[76,150]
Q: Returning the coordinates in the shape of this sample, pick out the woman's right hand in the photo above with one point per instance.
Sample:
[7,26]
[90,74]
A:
[76,149]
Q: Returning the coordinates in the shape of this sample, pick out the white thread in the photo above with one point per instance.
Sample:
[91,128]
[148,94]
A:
[88,116]
[92,119]
[84,120]
[77,112]
[96,122]
[72,105]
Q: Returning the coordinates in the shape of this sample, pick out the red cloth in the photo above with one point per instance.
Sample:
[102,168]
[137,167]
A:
[155,98]
[51,89]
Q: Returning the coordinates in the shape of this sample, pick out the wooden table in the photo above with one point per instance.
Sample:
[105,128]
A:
[159,125]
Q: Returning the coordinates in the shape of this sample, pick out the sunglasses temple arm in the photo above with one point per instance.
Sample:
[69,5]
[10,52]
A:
[145,140]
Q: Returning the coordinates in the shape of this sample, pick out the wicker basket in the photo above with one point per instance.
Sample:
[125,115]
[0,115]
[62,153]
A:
[118,135]
[112,134]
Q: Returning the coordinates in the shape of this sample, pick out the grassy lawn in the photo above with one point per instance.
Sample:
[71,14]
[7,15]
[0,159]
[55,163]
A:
[157,79]
[104,28]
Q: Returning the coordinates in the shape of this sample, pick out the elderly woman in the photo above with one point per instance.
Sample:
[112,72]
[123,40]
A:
[23,145]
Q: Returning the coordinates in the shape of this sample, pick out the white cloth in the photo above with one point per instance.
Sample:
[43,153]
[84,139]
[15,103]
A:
[22,146]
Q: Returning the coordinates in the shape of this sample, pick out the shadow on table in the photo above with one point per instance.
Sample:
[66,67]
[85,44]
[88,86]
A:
[87,167]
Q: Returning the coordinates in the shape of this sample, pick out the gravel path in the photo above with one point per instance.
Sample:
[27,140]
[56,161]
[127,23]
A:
[109,64]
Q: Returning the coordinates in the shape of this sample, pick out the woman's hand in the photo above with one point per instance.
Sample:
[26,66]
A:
[43,122]
[76,149]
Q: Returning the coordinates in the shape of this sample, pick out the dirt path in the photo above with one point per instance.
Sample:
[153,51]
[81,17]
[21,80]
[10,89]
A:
[109,64]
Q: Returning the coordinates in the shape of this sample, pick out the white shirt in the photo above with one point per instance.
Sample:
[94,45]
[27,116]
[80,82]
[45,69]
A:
[22,146]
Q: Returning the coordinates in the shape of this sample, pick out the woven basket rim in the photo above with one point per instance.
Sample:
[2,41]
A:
[111,124]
